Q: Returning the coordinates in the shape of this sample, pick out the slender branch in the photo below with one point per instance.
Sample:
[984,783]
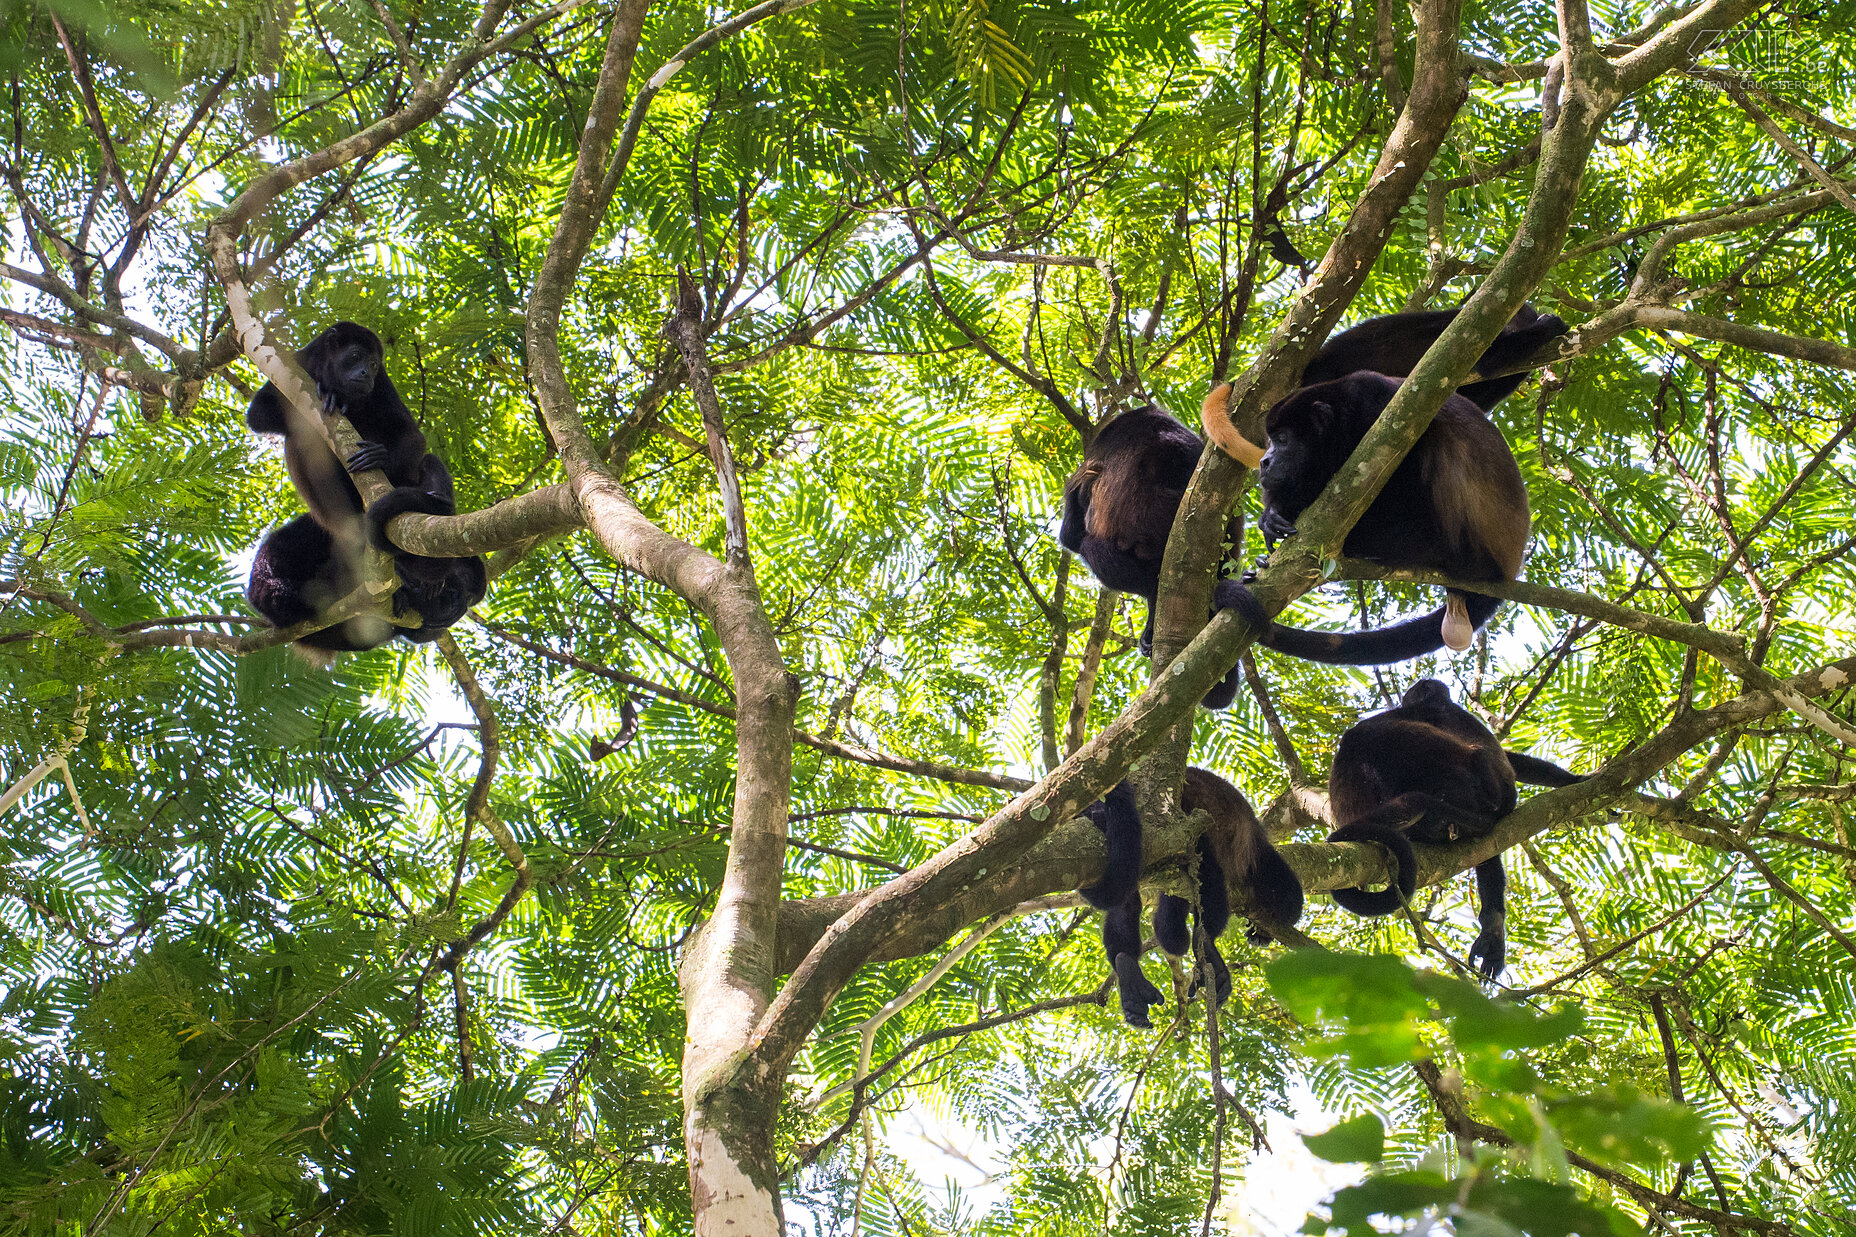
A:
[477,806]
[832,747]
[1771,128]
[1082,691]
[1457,1119]
[685,329]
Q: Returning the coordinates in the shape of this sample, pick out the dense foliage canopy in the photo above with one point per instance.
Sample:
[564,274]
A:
[407,946]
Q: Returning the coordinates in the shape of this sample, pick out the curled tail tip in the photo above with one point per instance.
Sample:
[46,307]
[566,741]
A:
[1235,595]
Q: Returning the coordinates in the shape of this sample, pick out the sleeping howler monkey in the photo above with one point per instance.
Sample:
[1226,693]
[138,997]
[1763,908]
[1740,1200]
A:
[1454,505]
[301,568]
[1459,508]
[1429,771]
[1394,343]
[1233,847]
[1118,509]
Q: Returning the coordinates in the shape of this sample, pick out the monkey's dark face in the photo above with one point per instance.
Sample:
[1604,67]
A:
[345,361]
[1295,426]
[1426,694]
[350,375]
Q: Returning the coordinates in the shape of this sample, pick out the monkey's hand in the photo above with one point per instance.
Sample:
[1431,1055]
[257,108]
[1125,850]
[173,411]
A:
[368,457]
[1489,955]
[1276,526]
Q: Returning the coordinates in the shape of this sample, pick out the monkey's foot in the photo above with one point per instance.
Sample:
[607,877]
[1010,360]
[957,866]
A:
[1458,630]
[1138,993]
[1489,954]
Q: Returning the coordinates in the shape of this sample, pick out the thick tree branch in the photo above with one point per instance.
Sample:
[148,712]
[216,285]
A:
[1071,855]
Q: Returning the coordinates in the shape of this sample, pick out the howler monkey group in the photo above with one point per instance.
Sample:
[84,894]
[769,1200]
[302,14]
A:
[1429,771]
[305,566]
[1233,849]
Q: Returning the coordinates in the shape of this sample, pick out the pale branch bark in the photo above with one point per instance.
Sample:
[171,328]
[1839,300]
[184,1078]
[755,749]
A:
[1754,338]
[1840,793]
[725,971]
[1082,691]
[685,330]
[421,105]
[1675,44]
[1649,285]
[84,308]
[518,521]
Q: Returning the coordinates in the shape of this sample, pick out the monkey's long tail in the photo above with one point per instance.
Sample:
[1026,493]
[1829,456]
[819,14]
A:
[1395,894]
[1400,641]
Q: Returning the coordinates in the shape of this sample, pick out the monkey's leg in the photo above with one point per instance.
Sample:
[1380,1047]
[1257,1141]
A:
[1121,942]
[1120,821]
[1489,953]
[1537,772]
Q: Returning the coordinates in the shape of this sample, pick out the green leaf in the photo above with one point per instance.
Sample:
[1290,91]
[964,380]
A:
[1357,1138]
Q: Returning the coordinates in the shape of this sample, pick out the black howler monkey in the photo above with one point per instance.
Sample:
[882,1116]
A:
[1429,771]
[1394,343]
[1454,505]
[1233,848]
[300,568]
[1118,509]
